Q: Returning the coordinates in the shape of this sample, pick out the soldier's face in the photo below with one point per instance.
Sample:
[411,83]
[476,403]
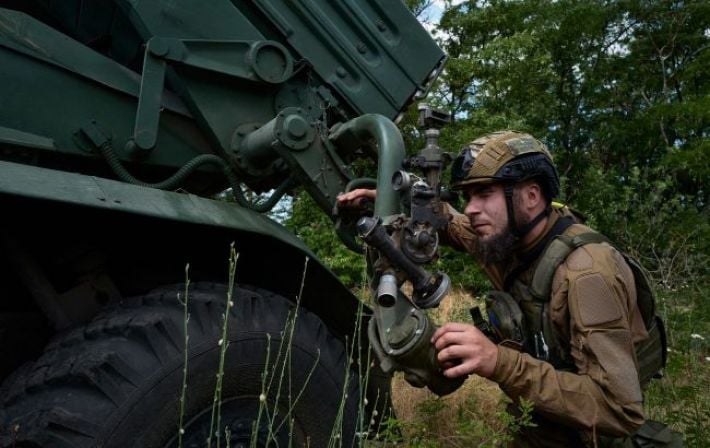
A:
[486,209]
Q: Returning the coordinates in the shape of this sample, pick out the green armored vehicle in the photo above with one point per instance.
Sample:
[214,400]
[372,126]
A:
[121,121]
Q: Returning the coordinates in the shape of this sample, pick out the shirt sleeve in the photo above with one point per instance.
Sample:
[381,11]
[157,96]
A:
[459,233]
[591,298]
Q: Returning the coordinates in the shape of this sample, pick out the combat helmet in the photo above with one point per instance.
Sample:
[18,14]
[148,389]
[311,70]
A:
[507,157]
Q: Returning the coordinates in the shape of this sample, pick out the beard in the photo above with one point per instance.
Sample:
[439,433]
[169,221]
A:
[499,247]
[496,248]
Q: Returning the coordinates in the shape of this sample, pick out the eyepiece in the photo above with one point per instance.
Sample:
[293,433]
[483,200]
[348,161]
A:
[387,290]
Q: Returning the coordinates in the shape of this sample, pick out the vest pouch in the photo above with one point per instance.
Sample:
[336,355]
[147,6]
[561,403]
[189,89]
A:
[506,318]
[651,434]
[651,352]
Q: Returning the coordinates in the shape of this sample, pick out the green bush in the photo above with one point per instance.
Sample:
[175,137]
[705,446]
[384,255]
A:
[315,228]
[643,211]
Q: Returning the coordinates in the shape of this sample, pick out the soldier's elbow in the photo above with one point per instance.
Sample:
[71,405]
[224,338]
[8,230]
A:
[627,422]
[631,426]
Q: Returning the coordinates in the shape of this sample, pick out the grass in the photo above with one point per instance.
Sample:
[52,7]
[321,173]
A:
[483,392]
[186,320]
[276,376]
[475,414]
[681,398]
[216,418]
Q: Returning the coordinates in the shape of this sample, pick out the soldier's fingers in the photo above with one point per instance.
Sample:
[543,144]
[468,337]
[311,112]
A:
[365,193]
[447,339]
[447,365]
[463,369]
[463,338]
[449,328]
[452,352]
[357,194]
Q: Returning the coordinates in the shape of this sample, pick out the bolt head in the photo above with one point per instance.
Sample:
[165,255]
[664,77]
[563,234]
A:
[296,126]
[158,47]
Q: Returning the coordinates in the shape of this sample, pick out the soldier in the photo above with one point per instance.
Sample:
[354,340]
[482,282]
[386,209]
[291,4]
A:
[569,349]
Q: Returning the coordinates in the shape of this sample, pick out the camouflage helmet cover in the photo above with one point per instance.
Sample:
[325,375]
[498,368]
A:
[502,156]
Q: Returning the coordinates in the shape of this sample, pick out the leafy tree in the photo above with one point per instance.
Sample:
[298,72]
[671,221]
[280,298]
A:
[316,229]
[617,89]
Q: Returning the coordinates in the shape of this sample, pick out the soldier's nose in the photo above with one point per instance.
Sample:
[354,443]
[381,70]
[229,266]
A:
[472,208]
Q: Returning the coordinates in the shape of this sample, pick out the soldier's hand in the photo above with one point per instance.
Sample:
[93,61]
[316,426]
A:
[462,349]
[356,198]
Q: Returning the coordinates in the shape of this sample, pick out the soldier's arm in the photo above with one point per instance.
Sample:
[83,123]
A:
[459,233]
[356,198]
[593,294]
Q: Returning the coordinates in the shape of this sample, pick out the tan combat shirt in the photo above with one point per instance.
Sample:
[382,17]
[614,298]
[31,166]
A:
[593,306]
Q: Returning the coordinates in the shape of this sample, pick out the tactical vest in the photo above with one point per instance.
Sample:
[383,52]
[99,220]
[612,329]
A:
[523,319]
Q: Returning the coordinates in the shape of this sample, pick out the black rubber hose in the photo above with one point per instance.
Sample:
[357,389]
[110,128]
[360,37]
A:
[176,179]
[266,205]
[170,183]
[361,182]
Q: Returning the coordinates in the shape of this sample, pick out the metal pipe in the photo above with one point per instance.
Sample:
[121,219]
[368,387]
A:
[390,154]
[429,289]
[387,290]
[361,182]
[256,147]
[373,232]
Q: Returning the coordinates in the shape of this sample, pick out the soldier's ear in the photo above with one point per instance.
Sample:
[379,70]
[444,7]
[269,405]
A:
[530,194]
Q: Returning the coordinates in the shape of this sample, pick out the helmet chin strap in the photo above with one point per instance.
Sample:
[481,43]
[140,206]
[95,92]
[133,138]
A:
[521,231]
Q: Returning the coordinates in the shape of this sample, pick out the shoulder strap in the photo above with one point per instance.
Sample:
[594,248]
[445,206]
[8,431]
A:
[651,352]
[556,253]
[526,260]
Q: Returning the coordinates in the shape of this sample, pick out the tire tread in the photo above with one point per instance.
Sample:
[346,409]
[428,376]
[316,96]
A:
[104,364]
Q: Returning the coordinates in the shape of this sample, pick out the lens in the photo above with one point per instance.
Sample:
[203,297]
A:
[401,180]
[457,172]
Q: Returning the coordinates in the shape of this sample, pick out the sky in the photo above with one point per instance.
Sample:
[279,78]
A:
[431,16]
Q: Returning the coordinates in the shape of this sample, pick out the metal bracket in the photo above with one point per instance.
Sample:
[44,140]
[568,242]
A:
[266,62]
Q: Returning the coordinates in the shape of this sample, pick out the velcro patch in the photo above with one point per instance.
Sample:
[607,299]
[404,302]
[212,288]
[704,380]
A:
[596,302]
[522,145]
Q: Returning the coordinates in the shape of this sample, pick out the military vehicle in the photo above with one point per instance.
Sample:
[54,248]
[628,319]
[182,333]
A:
[122,123]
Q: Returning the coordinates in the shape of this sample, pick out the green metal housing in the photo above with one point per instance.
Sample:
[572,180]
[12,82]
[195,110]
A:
[120,122]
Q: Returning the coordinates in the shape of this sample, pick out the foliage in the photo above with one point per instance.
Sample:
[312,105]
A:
[617,89]
[623,79]
[680,398]
[463,272]
[317,231]
[470,426]
[669,232]
[620,92]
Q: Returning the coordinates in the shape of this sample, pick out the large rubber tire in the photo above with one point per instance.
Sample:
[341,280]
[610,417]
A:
[116,382]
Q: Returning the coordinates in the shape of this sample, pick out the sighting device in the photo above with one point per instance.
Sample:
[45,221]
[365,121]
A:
[401,246]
